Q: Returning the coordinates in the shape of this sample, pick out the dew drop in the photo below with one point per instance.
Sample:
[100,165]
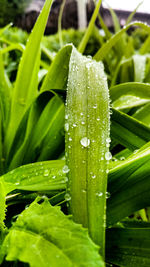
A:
[74,125]
[85,142]
[93,176]
[66,116]
[67,197]
[99,194]
[70,139]
[66,169]
[108,156]
[53,177]
[95,106]
[108,140]
[66,127]
[46,173]
[107,195]
[16,183]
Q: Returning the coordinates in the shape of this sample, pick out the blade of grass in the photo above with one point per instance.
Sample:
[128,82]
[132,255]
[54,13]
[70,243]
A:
[89,29]
[141,90]
[87,141]
[27,75]
[56,77]
[129,246]
[128,131]
[104,50]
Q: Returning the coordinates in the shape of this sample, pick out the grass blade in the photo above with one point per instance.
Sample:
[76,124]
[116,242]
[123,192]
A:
[56,77]
[87,138]
[129,246]
[27,75]
[104,50]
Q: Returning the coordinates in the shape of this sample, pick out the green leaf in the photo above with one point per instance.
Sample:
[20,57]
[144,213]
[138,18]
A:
[40,176]
[27,76]
[128,131]
[45,124]
[89,29]
[104,50]
[130,191]
[87,138]
[141,90]
[2,207]
[44,236]
[129,246]
[139,67]
[56,77]
[143,114]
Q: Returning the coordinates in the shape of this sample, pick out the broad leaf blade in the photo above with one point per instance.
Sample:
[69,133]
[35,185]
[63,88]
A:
[43,226]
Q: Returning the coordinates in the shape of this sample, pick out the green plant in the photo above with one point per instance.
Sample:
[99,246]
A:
[33,230]
[10,9]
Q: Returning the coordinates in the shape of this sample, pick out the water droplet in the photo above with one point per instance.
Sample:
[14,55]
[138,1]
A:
[17,183]
[99,194]
[98,119]
[46,172]
[53,177]
[66,117]
[83,190]
[122,158]
[81,114]
[93,176]
[70,139]
[66,169]
[82,122]
[66,179]
[85,142]
[66,127]
[95,106]
[108,140]
[74,125]
[67,197]
[107,195]
[108,156]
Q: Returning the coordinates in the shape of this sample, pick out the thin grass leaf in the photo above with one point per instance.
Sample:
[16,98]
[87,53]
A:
[40,176]
[141,90]
[130,17]
[5,95]
[104,50]
[145,46]
[128,131]
[56,77]
[143,114]
[119,174]
[27,75]
[3,206]
[89,29]
[139,68]
[129,246]
[133,196]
